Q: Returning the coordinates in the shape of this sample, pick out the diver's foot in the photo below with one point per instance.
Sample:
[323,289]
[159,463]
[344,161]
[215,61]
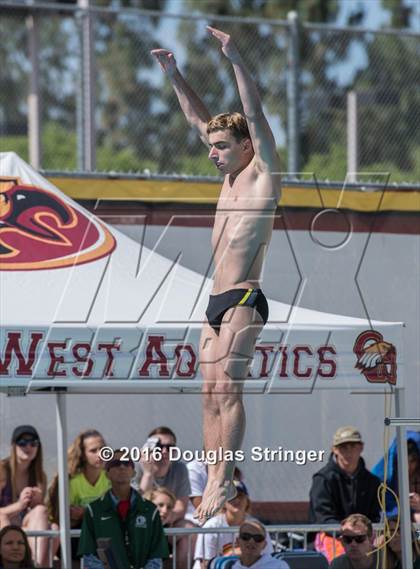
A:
[215,496]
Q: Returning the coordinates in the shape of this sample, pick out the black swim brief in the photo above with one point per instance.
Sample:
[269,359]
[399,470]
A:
[219,304]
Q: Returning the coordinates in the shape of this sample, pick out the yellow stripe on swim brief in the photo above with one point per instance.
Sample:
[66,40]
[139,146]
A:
[245,296]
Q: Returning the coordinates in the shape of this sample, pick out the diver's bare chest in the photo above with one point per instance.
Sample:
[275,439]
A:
[236,196]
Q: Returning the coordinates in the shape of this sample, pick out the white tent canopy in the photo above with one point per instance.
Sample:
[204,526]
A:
[105,308]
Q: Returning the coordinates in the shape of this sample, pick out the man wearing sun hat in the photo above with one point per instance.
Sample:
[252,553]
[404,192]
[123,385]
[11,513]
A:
[344,486]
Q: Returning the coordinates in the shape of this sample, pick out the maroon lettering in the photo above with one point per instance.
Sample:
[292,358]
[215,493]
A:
[283,361]
[265,350]
[323,361]
[13,347]
[296,371]
[155,345]
[108,347]
[190,363]
[56,360]
[86,370]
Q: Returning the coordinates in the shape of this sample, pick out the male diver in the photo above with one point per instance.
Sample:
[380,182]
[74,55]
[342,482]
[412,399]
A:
[243,149]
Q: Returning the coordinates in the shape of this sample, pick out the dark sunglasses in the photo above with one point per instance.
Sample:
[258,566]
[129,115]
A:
[257,537]
[347,539]
[117,463]
[26,442]
[167,446]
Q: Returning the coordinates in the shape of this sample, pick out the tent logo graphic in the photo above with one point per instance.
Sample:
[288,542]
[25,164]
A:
[376,359]
[40,230]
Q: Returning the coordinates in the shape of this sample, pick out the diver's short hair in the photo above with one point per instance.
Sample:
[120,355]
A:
[234,122]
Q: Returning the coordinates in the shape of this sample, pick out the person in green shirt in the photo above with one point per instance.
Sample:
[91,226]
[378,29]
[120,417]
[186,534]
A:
[131,523]
[87,477]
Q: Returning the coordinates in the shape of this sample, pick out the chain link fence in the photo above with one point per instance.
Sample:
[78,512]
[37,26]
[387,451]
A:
[81,88]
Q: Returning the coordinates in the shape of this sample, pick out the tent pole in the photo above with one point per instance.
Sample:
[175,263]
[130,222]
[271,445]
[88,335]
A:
[63,487]
[403,488]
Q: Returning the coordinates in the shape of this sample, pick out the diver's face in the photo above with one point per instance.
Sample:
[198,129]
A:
[227,154]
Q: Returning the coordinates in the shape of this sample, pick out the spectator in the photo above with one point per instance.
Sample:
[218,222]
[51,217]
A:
[210,545]
[357,539]
[131,522]
[171,474]
[87,481]
[164,500]
[252,541]
[23,486]
[87,478]
[413,451]
[165,472]
[391,553]
[197,473]
[15,552]
[343,487]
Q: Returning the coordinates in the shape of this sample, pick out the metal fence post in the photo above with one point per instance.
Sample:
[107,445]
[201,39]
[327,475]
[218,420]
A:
[34,107]
[63,479]
[86,112]
[293,150]
[352,137]
[403,484]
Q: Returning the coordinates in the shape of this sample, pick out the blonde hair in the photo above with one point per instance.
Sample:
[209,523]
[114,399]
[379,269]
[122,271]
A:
[233,122]
[151,494]
[356,519]
[76,453]
[76,461]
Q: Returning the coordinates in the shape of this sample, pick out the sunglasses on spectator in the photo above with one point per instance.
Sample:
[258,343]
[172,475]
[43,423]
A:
[347,539]
[257,537]
[26,442]
[165,446]
[116,463]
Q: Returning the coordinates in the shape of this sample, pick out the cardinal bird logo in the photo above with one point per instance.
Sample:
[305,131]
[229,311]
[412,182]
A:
[39,230]
[376,359]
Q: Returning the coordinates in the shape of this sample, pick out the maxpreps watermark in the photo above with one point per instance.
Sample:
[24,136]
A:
[214,456]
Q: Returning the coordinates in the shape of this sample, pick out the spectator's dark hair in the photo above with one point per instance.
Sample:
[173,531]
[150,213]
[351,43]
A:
[413,449]
[391,557]
[162,431]
[27,560]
